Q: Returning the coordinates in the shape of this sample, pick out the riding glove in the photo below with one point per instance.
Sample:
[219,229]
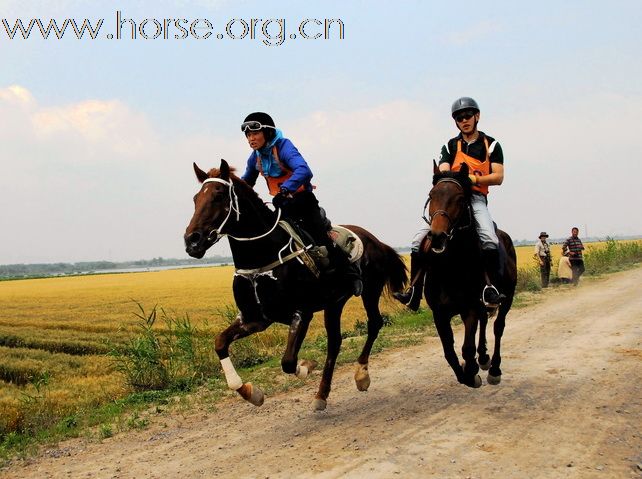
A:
[282,199]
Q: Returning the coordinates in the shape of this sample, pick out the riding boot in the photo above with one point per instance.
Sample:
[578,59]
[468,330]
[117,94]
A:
[350,270]
[412,296]
[491,297]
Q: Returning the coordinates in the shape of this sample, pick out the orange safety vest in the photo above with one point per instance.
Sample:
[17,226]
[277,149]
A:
[274,183]
[476,167]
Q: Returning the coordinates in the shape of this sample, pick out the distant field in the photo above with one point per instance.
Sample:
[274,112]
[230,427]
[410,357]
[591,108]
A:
[56,331]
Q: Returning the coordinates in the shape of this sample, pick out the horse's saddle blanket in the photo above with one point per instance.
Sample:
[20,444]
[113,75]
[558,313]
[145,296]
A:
[348,241]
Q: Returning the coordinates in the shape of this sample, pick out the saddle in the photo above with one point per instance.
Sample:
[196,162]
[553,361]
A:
[342,237]
[348,241]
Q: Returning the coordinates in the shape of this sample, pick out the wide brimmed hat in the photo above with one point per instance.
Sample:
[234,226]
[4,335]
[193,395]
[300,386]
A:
[543,233]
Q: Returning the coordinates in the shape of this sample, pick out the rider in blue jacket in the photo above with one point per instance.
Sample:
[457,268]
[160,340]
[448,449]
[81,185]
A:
[288,178]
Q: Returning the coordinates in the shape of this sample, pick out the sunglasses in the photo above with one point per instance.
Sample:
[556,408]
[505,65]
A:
[464,116]
[254,126]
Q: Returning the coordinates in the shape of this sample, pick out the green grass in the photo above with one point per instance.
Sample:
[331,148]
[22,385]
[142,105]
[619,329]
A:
[614,256]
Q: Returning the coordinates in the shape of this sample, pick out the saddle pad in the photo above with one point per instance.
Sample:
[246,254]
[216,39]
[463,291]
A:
[347,241]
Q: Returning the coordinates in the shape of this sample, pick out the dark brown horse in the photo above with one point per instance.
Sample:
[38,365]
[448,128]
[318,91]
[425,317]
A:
[271,285]
[455,277]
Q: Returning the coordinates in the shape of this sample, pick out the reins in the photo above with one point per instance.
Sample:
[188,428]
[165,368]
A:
[234,206]
[294,254]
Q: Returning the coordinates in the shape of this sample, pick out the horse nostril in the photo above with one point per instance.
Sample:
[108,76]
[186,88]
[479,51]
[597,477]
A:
[194,238]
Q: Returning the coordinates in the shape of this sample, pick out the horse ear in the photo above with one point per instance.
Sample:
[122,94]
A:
[200,174]
[435,168]
[464,169]
[225,170]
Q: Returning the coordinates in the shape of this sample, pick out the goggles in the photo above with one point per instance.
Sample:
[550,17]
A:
[467,115]
[254,126]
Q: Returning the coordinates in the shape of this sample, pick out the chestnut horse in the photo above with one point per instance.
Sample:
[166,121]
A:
[455,277]
[271,285]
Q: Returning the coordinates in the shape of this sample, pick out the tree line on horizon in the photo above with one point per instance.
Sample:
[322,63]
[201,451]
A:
[35,270]
[10,271]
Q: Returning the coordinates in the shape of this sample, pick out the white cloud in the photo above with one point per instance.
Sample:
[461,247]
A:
[110,123]
[17,96]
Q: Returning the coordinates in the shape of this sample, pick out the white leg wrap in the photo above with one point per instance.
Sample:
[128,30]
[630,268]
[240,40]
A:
[234,381]
[301,372]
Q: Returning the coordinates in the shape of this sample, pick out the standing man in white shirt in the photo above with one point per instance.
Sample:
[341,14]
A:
[543,256]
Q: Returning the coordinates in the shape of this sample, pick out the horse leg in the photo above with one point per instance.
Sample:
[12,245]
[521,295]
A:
[370,298]
[445,331]
[471,368]
[237,330]
[483,359]
[495,372]
[296,335]
[332,321]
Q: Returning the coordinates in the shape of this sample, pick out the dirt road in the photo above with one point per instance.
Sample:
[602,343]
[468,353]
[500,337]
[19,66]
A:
[568,406]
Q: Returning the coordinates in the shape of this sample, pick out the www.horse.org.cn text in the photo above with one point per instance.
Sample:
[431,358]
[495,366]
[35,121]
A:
[269,31]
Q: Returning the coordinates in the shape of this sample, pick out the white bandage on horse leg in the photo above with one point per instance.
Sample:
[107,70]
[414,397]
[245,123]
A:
[234,381]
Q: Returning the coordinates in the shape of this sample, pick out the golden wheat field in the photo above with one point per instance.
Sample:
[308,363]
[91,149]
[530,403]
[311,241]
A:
[61,328]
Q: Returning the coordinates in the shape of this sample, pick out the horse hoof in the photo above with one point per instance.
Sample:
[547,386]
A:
[251,394]
[304,368]
[494,380]
[477,382]
[319,404]
[361,377]
[484,366]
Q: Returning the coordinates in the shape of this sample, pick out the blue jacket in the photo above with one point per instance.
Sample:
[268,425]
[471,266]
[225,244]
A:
[291,159]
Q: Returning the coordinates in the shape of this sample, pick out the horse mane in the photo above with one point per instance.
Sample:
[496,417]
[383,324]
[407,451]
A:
[248,191]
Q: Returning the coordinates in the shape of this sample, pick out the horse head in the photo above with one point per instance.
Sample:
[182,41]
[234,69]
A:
[449,206]
[213,206]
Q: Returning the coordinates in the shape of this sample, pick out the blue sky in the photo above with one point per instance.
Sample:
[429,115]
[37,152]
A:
[98,136]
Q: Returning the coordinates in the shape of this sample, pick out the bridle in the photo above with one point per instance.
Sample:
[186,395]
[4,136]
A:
[234,206]
[453,225]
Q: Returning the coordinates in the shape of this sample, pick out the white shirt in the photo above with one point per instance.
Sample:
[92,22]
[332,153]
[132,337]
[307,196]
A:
[542,248]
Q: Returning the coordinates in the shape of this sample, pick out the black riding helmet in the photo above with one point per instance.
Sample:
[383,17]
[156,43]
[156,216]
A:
[261,120]
[464,103]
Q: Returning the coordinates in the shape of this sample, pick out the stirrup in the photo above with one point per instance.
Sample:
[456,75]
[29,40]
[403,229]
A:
[491,288]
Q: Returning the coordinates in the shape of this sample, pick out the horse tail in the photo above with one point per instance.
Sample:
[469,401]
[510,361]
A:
[396,273]
[380,262]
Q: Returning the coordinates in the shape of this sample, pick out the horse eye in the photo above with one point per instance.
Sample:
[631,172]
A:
[218,198]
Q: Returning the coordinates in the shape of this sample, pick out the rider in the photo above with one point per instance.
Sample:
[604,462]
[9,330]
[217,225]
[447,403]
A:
[485,160]
[288,178]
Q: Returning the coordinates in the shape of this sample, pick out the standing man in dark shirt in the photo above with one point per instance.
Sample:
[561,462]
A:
[573,248]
